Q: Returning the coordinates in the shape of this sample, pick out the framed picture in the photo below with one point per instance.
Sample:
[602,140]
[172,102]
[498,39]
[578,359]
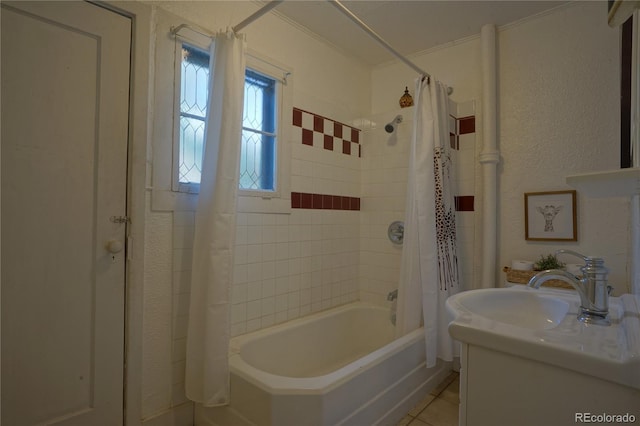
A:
[550,216]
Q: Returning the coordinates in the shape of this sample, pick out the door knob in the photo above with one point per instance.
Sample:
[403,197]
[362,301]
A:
[114,246]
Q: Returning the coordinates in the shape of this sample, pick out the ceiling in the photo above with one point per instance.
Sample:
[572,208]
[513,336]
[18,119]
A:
[409,26]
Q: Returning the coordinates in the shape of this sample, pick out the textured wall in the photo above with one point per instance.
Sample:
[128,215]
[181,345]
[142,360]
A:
[559,115]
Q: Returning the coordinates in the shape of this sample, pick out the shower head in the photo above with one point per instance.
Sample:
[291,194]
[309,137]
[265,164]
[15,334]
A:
[391,127]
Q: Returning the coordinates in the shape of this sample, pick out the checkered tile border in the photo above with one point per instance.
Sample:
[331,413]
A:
[316,130]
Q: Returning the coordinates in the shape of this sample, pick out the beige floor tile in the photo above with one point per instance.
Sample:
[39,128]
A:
[452,392]
[418,422]
[446,382]
[405,421]
[422,405]
[440,413]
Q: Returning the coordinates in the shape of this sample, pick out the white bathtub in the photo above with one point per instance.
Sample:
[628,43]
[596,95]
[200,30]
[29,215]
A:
[337,367]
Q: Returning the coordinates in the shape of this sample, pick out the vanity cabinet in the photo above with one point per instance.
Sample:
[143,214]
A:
[497,389]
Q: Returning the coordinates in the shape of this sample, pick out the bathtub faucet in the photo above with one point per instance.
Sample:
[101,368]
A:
[592,287]
[393,295]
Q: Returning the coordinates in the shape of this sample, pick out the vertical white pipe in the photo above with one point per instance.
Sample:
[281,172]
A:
[490,156]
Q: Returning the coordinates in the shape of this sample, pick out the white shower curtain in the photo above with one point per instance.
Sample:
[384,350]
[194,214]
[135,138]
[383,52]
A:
[207,367]
[429,268]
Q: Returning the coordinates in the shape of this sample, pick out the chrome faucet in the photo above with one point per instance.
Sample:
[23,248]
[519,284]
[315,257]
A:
[592,287]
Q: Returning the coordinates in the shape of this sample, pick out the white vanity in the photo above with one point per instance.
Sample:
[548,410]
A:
[527,360]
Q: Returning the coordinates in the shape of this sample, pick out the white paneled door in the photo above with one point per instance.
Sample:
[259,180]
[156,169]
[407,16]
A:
[65,108]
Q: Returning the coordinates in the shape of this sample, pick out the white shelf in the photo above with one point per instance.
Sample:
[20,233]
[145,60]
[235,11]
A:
[612,183]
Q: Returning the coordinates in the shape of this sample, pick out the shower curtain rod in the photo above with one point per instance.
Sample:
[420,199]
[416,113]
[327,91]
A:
[344,10]
[257,14]
[175,31]
[248,20]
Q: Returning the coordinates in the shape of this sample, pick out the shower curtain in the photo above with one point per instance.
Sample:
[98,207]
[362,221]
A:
[207,367]
[429,270]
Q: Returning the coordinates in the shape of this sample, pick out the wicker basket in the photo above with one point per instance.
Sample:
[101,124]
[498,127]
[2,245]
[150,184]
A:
[523,277]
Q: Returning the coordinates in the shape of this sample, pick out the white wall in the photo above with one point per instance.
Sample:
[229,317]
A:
[558,107]
[457,64]
[559,79]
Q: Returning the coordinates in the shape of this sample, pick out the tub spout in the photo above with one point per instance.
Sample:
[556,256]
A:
[592,288]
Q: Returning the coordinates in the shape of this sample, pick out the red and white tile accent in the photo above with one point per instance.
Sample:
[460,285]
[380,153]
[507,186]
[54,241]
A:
[463,136]
[315,130]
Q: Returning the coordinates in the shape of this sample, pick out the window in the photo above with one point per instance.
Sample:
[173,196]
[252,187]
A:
[194,81]
[258,152]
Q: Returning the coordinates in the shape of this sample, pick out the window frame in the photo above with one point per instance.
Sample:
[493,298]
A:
[177,186]
[264,201]
[278,201]
[270,113]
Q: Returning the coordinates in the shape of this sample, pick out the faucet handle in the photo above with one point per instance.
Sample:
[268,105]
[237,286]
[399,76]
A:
[594,266]
[586,259]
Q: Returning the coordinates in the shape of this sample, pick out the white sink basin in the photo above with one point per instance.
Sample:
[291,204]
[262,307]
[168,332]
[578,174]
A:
[520,308]
[542,325]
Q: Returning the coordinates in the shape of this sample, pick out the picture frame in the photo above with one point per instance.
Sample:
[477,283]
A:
[550,216]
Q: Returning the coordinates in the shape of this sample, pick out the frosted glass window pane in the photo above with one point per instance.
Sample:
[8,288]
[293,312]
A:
[191,148]
[193,110]
[258,159]
[258,141]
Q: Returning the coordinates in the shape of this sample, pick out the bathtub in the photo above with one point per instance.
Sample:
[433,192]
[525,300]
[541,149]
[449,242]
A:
[337,367]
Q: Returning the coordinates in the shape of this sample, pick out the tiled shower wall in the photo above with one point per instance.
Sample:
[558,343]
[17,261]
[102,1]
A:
[332,248]
[286,265]
[384,181]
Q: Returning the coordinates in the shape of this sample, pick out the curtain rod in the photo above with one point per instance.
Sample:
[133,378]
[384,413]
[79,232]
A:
[342,8]
[257,14]
[345,11]
[175,32]
[238,27]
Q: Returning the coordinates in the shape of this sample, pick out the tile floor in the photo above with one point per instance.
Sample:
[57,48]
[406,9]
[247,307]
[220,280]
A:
[439,408]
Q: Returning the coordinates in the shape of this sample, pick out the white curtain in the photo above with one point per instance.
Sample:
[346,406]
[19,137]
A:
[429,268]
[207,366]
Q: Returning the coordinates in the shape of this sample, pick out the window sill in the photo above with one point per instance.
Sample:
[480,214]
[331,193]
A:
[164,200]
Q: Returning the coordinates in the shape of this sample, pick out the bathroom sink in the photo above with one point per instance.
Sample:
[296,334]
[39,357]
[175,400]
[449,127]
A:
[542,325]
[520,308]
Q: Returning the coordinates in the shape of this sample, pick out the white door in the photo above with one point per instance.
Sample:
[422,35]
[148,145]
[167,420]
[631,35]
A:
[65,89]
